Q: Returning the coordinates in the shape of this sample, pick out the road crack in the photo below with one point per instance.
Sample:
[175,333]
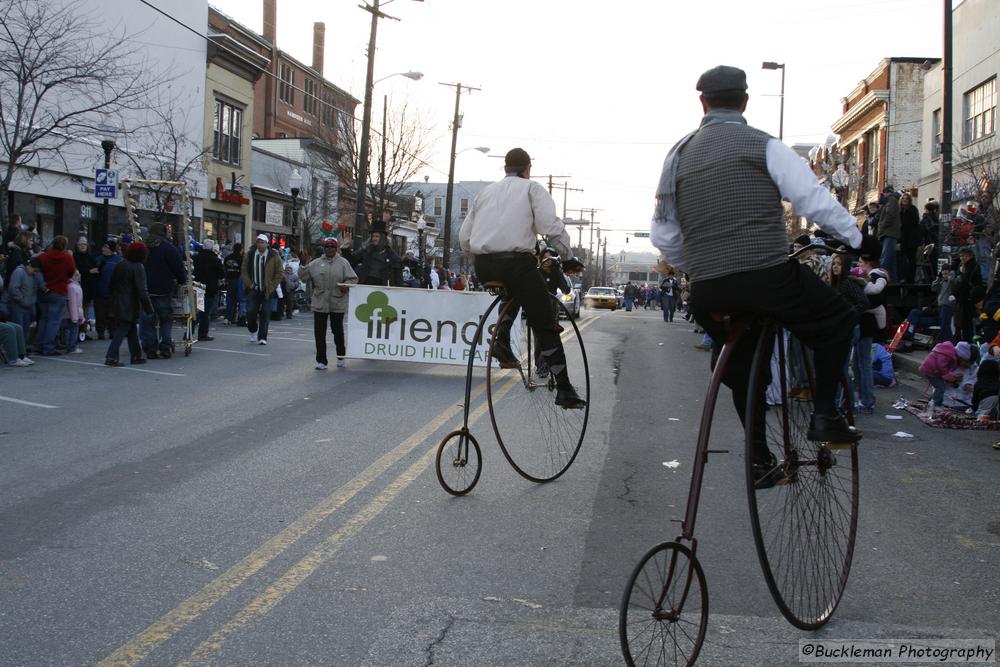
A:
[437,640]
[627,491]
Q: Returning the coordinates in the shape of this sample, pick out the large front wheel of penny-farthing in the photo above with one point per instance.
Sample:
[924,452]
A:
[539,438]
[804,513]
[664,612]
[459,462]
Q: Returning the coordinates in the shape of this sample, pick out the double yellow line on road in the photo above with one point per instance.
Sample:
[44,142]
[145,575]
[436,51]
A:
[194,606]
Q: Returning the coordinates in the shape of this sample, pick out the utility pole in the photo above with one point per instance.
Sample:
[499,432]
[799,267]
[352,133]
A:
[360,214]
[604,270]
[565,188]
[590,251]
[946,124]
[451,169]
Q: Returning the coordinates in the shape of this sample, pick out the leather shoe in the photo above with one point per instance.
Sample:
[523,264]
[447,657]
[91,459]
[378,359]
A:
[831,429]
[568,399]
[767,474]
[206,338]
[504,356]
[153,355]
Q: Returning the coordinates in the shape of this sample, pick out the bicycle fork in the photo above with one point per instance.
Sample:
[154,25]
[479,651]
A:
[697,475]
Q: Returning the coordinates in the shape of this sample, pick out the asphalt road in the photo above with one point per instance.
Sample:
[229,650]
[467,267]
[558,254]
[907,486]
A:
[238,507]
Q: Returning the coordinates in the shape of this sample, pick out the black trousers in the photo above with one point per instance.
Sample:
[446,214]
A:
[796,298]
[319,330]
[258,313]
[526,288]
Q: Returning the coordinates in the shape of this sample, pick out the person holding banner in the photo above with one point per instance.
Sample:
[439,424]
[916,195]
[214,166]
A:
[329,300]
[500,230]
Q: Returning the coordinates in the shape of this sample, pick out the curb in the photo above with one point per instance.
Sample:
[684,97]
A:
[905,362]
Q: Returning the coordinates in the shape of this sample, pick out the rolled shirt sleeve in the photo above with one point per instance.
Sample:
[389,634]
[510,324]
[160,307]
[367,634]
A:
[798,184]
[665,234]
[547,223]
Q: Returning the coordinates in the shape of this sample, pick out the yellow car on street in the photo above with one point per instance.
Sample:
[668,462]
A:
[602,297]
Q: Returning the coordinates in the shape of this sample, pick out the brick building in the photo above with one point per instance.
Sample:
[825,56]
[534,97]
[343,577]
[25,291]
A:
[880,129]
[294,100]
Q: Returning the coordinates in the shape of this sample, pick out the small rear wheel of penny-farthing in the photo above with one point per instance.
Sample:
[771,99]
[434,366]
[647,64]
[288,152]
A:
[664,612]
[459,462]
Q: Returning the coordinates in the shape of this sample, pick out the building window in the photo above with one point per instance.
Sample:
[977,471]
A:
[286,89]
[228,131]
[328,111]
[980,111]
[437,206]
[464,206]
[311,103]
[871,159]
[936,134]
[259,210]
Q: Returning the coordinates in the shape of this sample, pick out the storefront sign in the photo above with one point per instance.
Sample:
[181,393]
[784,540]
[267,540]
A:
[274,213]
[419,325]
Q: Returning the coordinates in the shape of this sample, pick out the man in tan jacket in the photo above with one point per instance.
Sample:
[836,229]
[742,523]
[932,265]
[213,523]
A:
[262,268]
[329,299]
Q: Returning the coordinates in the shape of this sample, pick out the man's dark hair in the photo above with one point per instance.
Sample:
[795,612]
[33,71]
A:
[516,161]
[725,99]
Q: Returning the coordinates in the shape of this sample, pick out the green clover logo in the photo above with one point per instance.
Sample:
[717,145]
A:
[376,301]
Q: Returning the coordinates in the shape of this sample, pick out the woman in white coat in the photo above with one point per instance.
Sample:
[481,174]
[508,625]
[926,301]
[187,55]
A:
[329,300]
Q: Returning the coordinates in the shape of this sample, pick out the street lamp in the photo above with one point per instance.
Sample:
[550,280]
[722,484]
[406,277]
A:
[421,226]
[413,76]
[295,186]
[781,118]
[108,144]
[360,214]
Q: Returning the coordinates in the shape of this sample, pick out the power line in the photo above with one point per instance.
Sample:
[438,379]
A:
[288,83]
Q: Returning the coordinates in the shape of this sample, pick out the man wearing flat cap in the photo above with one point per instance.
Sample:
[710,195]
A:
[735,248]
[501,230]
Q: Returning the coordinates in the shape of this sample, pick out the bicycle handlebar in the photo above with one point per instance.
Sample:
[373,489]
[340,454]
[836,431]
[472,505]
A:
[841,250]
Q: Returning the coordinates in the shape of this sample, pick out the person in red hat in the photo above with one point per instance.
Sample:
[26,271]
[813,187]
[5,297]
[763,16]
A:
[325,276]
[129,299]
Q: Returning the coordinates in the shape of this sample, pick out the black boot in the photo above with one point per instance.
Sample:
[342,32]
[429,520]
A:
[831,429]
[504,356]
[767,473]
[567,398]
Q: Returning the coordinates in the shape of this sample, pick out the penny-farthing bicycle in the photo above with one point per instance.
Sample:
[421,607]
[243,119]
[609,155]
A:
[803,518]
[539,439]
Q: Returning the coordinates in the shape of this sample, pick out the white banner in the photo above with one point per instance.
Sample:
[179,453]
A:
[420,325]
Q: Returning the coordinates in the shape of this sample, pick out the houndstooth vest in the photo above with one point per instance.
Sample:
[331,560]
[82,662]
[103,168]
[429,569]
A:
[728,207]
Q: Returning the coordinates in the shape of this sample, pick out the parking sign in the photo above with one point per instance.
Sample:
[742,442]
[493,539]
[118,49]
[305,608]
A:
[106,183]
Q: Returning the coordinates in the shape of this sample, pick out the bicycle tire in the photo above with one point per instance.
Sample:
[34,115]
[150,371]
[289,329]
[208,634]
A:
[654,585]
[805,526]
[458,460]
[539,439]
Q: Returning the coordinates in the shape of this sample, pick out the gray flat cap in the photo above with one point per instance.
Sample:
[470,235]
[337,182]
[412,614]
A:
[722,78]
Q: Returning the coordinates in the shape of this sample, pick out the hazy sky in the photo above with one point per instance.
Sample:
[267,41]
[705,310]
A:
[600,90]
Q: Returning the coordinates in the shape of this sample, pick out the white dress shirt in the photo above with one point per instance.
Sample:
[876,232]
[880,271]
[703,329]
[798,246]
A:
[508,215]
[796,183]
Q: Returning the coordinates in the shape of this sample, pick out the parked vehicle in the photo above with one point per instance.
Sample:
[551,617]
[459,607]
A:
[570,301]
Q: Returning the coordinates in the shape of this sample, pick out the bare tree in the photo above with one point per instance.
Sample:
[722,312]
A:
[407,144]
[62,75]
[165,151]
[978,173]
